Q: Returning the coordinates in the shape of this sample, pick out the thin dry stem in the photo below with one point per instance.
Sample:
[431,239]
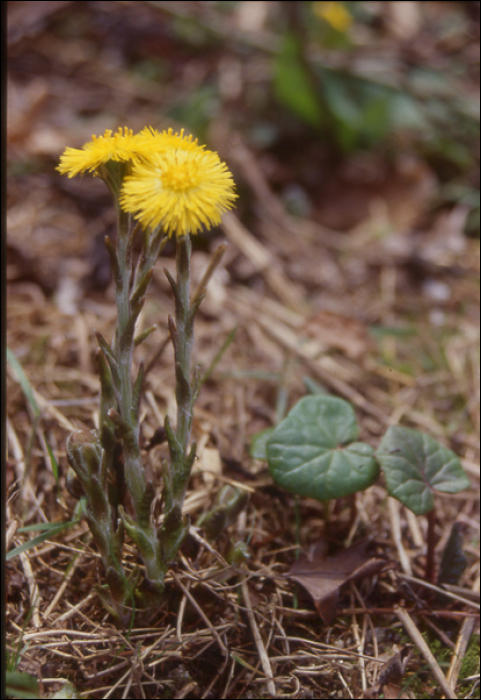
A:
[413,631]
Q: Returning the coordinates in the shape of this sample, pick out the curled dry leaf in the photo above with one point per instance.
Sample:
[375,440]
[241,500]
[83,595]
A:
[322,576]
[391,676]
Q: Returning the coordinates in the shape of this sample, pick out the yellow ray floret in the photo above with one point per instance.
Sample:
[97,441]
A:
[121,147]
[160,141]
[184,188]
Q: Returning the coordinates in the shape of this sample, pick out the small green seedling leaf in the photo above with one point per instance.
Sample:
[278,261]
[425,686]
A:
[21,685]
[258,447]
[24,383]
[415,465]
[312,452]
[51,530]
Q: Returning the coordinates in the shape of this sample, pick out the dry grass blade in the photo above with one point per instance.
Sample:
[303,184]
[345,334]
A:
[263,262]
[264,657]
[33,588]
[75,564]
[467,628]
[417,638]
[440,589]
[463,593]
[209,624]
[465,633]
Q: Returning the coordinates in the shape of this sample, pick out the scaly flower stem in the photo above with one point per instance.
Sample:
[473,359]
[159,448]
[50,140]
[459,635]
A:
[129,303]
[134,472]
[185,338]
[177,471]
[88,460]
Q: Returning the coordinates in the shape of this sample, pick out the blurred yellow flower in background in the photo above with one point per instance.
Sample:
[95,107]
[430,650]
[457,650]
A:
[334,13]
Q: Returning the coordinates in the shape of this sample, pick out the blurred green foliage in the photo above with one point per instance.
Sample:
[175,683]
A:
[293,83]
[364,106]
[361,110]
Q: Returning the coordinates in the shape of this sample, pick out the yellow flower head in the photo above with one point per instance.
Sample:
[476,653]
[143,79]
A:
[335,13]
[121,147]
[182,186]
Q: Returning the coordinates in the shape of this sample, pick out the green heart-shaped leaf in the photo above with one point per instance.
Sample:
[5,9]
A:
[415,465]
[312,452]
[258,448]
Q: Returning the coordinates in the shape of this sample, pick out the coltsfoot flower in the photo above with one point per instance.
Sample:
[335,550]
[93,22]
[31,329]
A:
[181,187]
[120,147]
[178,187]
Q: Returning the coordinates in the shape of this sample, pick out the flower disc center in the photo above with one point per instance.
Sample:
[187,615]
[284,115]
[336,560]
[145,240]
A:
[181,177]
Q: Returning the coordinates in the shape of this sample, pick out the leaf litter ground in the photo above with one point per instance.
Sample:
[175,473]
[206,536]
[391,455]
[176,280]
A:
[397,352]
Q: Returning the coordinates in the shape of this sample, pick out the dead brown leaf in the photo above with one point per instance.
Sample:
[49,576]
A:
[391,676]
[322,576]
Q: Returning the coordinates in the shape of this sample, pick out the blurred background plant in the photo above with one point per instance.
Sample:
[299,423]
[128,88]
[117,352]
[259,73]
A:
[390,81]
